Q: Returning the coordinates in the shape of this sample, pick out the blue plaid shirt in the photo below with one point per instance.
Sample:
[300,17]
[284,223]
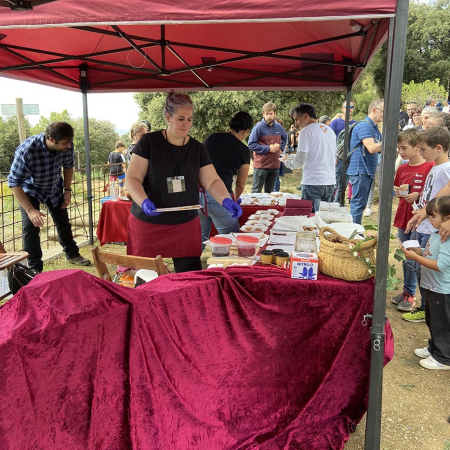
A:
[361,160]
[38,171]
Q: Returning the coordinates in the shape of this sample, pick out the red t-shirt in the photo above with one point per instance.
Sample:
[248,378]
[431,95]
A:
[415,176]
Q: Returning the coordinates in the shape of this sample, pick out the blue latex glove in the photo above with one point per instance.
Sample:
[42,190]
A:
[239,200]
[232,207]
[149,208]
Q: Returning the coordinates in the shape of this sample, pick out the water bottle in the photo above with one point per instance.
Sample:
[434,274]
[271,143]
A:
[113,192]
[4,288]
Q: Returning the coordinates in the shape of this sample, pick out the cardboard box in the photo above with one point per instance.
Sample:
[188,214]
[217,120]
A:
[304,266]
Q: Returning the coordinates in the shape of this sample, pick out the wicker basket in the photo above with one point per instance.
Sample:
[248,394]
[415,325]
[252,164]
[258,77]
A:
[336,257]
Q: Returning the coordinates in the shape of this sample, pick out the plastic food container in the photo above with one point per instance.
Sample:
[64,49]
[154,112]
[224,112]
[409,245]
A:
[220,246]
[266,223]
[264,216]
[127,281]
[246,245]
[253,228]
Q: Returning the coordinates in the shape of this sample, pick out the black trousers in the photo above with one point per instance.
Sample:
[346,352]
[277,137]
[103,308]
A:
[187,264]
[437,317]
[31,234]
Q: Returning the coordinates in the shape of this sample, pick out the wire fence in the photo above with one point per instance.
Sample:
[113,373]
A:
[11,218]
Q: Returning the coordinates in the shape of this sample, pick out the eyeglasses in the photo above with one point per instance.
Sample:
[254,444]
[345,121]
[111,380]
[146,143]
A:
[379,109]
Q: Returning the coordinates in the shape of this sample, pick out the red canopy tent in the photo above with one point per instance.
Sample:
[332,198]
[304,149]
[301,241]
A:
[193,45]
[139,45]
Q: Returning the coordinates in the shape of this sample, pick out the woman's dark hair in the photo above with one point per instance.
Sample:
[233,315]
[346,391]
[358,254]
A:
[59,131]
[440,205]
[241,121]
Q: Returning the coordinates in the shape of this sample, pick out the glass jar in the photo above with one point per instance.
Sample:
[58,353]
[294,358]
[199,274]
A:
[305,241]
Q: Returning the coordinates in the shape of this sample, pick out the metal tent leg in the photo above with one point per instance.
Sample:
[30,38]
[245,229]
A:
[394,76]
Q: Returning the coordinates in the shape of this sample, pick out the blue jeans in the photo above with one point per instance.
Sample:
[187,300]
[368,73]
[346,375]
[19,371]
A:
[409,269]
[278,182]
[264,178]
[217,215]
[317,194]
[338,170]
[361,185]
[423,239]
[372,189]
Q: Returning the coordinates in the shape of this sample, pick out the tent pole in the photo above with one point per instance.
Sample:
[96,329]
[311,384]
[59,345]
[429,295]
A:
[394,76]
[87,147]
[348,99]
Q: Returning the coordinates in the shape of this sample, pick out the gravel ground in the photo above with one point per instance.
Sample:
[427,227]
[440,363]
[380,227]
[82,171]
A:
[416,401]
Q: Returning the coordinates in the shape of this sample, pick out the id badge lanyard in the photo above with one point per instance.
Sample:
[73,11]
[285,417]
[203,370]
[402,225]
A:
[177,183]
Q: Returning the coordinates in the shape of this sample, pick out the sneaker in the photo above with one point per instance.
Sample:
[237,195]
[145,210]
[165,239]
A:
[397,299]
[417,316]
[367,212]
[407,303]
[422,352]
[79,260]
[431,363]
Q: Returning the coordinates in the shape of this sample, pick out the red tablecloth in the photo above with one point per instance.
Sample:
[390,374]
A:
[112,224]
[242,358]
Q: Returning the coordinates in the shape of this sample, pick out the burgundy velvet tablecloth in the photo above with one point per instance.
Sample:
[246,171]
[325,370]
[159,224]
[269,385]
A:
[241,358]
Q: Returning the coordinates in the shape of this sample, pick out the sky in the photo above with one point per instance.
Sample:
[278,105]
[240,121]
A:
[120,108]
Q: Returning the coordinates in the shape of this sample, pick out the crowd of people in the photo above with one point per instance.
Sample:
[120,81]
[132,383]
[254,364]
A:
[170,169]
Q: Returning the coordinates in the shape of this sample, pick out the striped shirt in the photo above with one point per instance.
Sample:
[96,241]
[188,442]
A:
[38,171]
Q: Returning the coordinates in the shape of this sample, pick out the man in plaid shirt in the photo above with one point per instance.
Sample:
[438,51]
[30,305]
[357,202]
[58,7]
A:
[35,178]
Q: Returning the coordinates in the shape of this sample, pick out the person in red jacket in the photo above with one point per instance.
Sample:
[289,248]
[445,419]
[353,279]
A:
[409,183]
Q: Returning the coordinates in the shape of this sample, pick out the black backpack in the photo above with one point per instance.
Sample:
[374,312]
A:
[19,276]
[340,142]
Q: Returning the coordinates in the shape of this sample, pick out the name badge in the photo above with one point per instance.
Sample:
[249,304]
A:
[176,184]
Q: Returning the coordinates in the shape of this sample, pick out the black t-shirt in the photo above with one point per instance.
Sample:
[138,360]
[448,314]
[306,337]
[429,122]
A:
[166,161]
[290,141]
[227,154]
[116,159]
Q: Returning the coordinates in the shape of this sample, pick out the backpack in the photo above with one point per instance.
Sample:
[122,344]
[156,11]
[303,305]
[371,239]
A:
[19,276]
[340,142]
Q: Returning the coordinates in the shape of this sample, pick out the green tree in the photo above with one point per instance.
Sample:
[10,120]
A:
[427,45]
[102,137]
[9,140]
[213,110]
[419,92]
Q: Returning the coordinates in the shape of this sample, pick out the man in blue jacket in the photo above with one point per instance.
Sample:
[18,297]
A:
[267,140]
[366,138]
